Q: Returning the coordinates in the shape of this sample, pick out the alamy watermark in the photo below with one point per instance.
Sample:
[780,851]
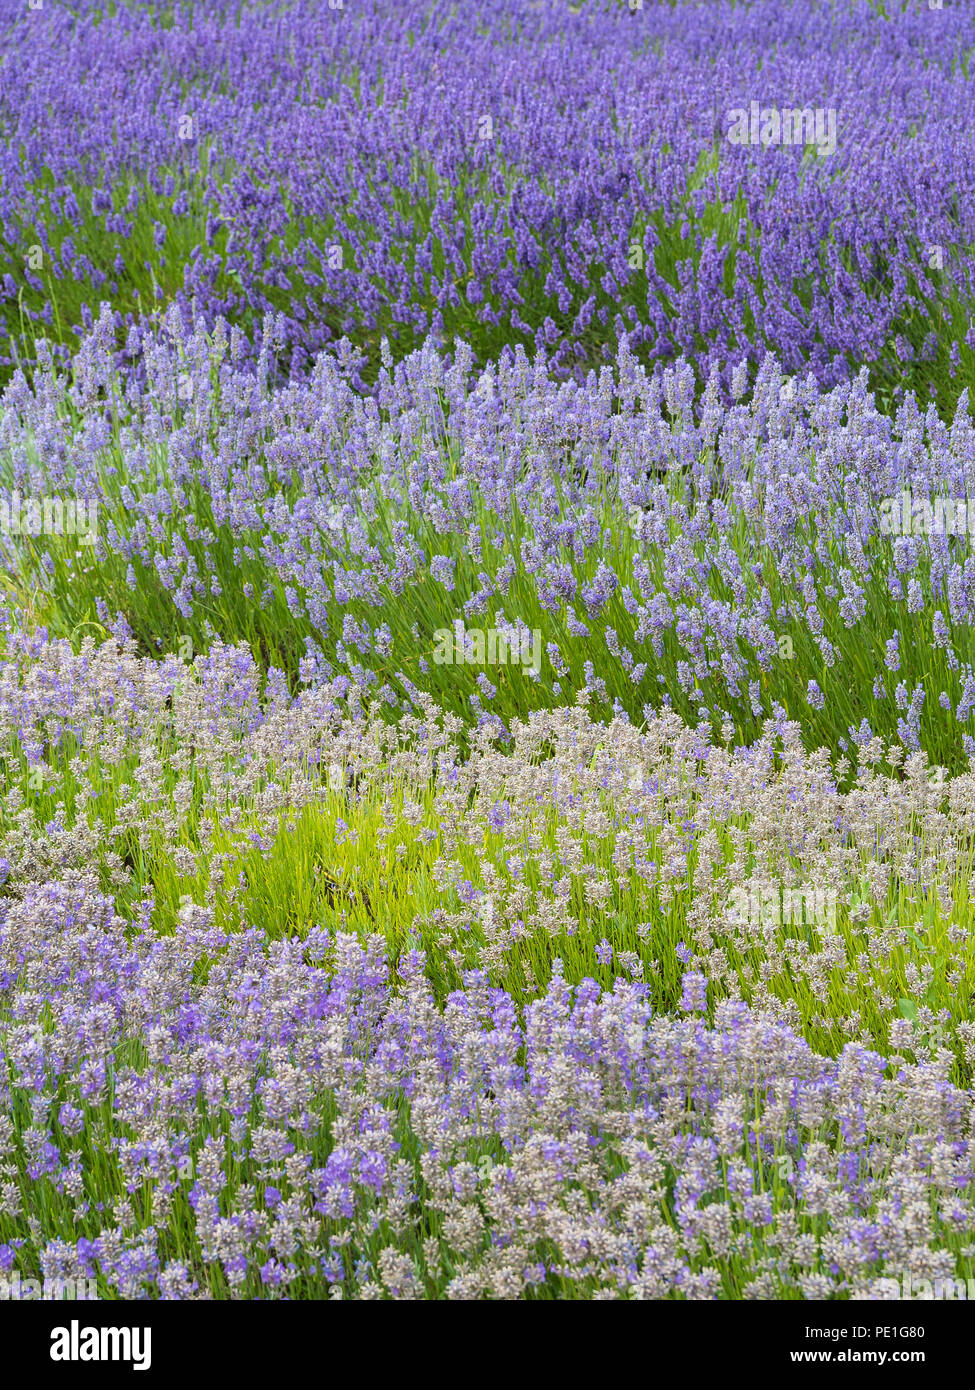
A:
[906,515]
[781,906]
[459,646]
[77,1343]
[49,516]
[926,1290]
[770,125]
[15,1289]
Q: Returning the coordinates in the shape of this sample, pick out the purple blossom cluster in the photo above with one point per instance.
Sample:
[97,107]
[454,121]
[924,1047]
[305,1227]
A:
[513,172]
[271,1121]
[213,1108]
[668,548]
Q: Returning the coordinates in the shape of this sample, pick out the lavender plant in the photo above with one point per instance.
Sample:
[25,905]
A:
[501,540]
[717,181]
[223,1101]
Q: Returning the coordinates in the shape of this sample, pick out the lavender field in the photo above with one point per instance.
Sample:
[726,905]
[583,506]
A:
[487,649]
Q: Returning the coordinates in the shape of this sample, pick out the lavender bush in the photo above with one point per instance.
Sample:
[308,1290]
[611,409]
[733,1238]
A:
[218,1101]
[513,173]
[628,536]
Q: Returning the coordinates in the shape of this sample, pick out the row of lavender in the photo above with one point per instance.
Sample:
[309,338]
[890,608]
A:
[503,540]
[392,1148]
[203,1099]
[717,179]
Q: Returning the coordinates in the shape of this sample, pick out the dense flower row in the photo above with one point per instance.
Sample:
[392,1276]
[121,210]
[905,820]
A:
[287,1118]
[512,172]
[611,842]
[629,535]
[216,1106]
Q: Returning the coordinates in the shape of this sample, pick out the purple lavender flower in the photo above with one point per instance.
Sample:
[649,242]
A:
[694,997]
